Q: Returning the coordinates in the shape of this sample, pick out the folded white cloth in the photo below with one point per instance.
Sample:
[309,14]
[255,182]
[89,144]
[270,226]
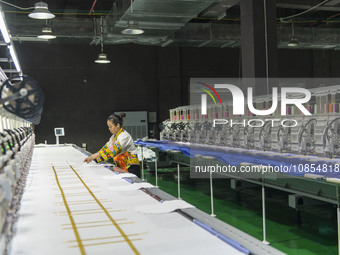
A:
[165,207]
[133,186]
[118,176]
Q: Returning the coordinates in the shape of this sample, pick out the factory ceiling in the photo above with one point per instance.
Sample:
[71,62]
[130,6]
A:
[199,23]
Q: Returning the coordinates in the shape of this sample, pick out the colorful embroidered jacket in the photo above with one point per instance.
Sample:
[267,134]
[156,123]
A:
[121,148]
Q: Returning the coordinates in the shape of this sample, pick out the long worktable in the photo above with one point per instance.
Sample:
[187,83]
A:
[69,207]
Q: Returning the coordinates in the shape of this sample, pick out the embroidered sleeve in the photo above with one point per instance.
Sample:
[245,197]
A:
[109,152]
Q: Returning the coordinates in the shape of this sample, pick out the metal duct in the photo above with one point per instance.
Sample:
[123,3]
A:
[166,22]
[158,18]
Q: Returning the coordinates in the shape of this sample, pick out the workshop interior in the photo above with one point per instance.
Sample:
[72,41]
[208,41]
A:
[234,111]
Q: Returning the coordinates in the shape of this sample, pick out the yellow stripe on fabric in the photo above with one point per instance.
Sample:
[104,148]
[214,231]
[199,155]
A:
[74,227]
[99,225]
[91,222]
[106,237]
[104,243]
[108,215]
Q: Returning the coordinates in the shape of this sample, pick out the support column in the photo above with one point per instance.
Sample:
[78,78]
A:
[264,211]
[259,42]
[169,75]
[338,216]
[178,181]
[156,171]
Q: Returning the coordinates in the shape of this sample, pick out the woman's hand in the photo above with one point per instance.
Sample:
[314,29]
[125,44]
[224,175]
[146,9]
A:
[88,159]
[92,157]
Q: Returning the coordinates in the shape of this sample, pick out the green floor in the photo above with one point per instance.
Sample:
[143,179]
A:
[316,234]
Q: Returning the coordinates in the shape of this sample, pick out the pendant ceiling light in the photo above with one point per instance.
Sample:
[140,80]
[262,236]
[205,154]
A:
[41,12]
[132,26]
[102,57]
[293,42]
[46,33]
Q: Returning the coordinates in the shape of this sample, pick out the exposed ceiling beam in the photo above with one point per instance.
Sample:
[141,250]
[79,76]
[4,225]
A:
[218,9]
[10,70]
[306,7]
[5,60]
[333,2]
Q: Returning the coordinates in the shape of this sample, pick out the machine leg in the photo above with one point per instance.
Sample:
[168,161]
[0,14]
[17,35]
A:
[338,216]
[298,217]
[338,219]
[156,170]
[264,215]
[142,164]
[212,196]
[179,181]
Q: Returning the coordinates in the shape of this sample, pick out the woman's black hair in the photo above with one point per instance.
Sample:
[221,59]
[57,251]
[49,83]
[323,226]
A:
[115,119]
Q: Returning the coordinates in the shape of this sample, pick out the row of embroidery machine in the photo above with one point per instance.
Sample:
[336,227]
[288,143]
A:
[16,147]
[318,133]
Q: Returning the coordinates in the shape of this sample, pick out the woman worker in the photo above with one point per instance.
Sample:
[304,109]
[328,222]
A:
[120,147]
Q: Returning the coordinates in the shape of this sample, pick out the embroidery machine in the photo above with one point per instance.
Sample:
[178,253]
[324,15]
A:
[317,134]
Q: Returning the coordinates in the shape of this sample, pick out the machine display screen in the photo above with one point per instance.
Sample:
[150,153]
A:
[59,132]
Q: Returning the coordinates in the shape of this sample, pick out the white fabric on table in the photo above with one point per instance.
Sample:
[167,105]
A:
[44,226]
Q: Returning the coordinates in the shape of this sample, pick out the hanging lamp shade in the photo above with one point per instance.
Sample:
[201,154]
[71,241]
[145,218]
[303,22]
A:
[46,33]
[102,59]
[293,42]
[132,28]
[41,12]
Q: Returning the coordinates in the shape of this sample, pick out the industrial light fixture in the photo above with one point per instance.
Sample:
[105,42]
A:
[46,33]
[132,26]
[3,76]
[41,12]
[102,57]
[7,39]
[14,58]
[3,28]
[293,42]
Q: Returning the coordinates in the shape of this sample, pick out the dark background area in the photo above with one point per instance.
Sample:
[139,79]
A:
[81,94]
